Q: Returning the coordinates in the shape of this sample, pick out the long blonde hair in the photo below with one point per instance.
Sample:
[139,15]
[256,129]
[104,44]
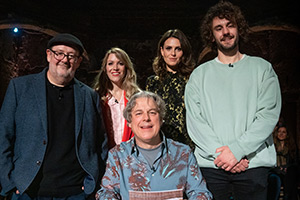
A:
[102,83]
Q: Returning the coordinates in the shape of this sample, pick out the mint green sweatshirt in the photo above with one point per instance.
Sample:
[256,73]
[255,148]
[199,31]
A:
[235,106]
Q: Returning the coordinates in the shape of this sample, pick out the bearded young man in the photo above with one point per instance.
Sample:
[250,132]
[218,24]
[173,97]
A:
[233,103]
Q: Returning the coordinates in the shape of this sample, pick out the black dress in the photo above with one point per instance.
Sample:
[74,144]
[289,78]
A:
[171,89]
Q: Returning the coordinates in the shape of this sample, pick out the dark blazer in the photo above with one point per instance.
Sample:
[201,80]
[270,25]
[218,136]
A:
[23,132]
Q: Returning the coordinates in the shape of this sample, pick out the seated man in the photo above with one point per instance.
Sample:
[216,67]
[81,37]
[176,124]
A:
[149,161]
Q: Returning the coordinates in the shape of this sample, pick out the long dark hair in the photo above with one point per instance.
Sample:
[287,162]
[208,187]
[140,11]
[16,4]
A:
[289,142]
[187,62]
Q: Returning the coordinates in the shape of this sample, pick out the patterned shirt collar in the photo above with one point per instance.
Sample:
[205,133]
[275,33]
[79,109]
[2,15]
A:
[164,145]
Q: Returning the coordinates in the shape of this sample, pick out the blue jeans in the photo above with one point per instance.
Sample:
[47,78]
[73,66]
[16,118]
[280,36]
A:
[274,186]
[251,184]
[81,196]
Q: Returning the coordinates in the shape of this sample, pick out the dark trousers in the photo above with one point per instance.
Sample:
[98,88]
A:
[81,196]
[251,184]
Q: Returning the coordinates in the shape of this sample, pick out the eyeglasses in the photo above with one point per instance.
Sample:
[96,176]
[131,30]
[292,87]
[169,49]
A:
[61,56]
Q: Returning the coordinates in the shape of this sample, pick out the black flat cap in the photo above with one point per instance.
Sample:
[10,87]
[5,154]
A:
[68,40]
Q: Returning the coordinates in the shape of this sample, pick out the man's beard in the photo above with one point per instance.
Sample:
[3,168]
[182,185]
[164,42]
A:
[224,48]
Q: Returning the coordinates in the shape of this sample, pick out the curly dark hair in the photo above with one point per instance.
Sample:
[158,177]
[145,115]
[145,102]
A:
[226,10]
[187,63]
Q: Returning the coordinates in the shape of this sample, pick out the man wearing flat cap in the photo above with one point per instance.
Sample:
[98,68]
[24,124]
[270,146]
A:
[51,130]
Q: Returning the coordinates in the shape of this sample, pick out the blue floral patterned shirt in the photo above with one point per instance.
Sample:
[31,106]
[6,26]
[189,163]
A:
[174,168]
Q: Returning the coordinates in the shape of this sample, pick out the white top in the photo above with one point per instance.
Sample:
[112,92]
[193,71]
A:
[118,121]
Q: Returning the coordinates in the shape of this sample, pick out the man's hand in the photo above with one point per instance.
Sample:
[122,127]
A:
[240,166]
[226,159]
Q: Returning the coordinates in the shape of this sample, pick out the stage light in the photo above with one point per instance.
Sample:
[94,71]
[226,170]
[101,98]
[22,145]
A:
[16,30]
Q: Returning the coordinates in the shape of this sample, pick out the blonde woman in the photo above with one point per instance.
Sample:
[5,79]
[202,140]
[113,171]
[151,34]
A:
[116,83]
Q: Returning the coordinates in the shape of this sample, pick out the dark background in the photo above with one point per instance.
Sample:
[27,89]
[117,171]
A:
[136,27]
